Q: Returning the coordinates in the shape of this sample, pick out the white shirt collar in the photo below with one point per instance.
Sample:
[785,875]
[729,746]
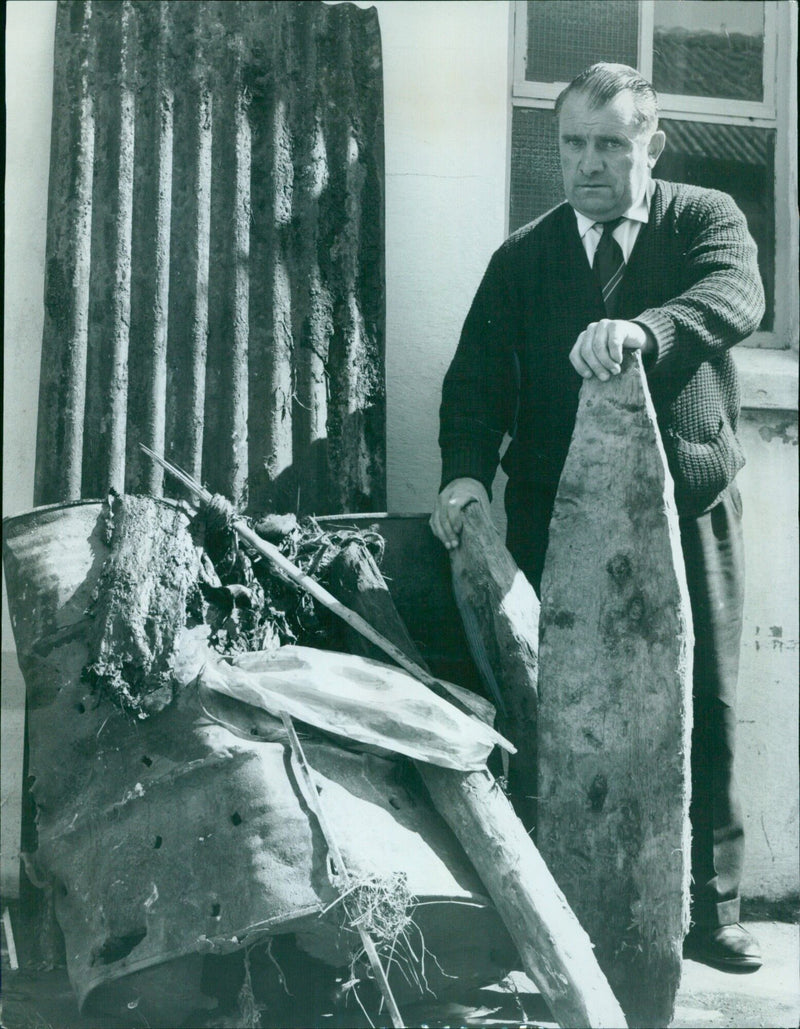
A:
[639,211]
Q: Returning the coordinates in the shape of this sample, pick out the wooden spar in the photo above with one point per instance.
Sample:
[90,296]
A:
[474,706]
[500,612]
[615,696]
[555,951]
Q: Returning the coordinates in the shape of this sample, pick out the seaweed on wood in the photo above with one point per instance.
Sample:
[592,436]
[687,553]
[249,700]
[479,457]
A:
[139,604]
[244,600]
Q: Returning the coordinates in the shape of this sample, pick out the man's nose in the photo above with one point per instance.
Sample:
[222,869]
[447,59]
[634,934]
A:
[591,161]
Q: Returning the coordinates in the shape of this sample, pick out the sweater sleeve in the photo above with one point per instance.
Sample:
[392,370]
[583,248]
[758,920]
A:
[722,300]
[479,394]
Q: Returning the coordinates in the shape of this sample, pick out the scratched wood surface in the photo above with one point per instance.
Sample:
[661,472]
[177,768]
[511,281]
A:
[615,697]
[554,949]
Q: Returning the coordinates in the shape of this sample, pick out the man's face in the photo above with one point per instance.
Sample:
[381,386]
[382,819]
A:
[606,158]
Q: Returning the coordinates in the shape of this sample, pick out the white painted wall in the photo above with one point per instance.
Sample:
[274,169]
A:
[446,114]
[766,759]
[30,32]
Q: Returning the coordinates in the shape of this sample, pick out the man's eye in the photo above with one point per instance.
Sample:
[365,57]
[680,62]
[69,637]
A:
[573,144]
[611,144]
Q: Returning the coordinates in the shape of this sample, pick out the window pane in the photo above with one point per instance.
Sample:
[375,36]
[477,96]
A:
[712,48]
[536,183]
[740,160]
[564,38]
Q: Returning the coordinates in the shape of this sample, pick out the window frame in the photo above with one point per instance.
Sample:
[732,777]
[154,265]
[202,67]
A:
[750,112]
[729,111]
[776,111]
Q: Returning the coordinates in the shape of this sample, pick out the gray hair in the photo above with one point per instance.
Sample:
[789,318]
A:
[601,82]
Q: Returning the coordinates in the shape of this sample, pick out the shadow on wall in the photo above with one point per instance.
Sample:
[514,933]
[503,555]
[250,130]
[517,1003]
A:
[351,473]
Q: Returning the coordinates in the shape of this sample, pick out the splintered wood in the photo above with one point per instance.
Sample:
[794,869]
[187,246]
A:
[500,613]
[615,697]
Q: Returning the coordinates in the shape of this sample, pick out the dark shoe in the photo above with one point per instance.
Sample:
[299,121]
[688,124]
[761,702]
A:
[729,947]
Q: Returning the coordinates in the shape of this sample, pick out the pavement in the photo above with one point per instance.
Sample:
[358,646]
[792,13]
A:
[769,997]
[707,998]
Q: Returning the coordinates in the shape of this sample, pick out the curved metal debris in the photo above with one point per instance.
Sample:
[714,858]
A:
[184,834]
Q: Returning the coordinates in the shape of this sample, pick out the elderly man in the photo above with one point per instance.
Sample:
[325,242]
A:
[627,263]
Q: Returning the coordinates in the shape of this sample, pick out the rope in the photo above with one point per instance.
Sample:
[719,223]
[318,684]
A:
[219,513]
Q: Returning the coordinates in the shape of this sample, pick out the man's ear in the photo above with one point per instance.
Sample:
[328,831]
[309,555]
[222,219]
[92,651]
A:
[655,147]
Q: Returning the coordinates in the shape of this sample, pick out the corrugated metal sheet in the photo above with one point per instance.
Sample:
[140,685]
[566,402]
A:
[215,267]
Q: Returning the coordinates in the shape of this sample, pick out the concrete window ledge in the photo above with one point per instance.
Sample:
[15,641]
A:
[768,378]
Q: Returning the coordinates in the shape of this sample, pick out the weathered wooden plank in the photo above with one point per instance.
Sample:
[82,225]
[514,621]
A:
[615,696]
[500,611]
[555,950]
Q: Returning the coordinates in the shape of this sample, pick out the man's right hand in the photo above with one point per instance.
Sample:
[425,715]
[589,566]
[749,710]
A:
[446,521]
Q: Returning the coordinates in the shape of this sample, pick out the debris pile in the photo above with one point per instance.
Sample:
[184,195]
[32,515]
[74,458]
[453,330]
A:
[163,576]
[245,602]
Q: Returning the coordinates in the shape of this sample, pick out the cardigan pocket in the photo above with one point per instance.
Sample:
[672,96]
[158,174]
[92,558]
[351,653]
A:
[705,468]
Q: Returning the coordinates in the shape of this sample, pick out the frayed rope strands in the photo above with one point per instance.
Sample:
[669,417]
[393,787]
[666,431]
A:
[219,513]
[379,904]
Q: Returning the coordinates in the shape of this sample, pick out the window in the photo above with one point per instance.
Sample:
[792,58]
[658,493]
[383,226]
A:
[723,72]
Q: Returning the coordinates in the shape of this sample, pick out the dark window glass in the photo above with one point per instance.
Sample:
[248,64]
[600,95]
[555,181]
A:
[564,38]
[710,48]
[740,160]
[536,183]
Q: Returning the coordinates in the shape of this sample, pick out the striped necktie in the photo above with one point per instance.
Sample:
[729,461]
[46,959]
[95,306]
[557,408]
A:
[609,265]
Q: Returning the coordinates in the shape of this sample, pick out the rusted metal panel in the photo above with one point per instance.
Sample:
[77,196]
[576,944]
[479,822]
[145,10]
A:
[215,269]
[184,834]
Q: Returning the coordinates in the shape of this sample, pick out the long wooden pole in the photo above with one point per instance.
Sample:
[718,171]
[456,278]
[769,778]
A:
[555,950]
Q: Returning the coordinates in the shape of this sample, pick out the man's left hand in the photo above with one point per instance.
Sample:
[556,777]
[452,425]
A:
[598,349]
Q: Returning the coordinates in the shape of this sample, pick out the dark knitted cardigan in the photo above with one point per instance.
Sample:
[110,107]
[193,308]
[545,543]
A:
[692,280]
